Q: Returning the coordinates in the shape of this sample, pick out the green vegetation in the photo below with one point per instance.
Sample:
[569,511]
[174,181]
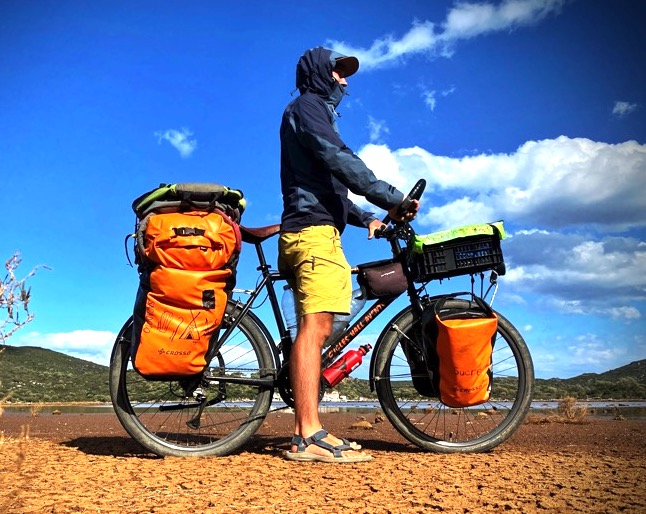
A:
[627,382]
[29,374]
[354,388]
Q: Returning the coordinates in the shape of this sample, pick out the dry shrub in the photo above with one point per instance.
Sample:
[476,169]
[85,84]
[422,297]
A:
[544,419]
[571,411]
[567,411]
[14,298]
[35,408]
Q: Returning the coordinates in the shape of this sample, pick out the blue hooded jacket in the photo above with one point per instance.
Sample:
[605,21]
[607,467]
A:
[316,167]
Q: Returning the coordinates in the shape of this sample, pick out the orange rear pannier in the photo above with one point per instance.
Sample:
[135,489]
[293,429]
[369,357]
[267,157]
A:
[189,240]
[187,271]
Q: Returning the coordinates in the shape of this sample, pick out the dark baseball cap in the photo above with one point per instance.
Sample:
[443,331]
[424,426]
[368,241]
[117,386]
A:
[346,64]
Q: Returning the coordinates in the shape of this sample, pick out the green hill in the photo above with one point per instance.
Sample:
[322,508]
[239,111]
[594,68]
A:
[29,374]
[627,382]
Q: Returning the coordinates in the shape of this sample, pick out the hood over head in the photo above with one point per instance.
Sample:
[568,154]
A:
[314,71]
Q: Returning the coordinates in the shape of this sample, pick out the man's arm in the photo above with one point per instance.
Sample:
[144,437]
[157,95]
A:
[406,211]
[358,217]
[315,131]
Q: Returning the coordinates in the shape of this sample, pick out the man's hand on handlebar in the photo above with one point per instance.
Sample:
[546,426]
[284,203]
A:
[397,213]
[374,226]
[406,211]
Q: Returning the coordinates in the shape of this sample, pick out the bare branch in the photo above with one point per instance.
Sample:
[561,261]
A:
[15,297]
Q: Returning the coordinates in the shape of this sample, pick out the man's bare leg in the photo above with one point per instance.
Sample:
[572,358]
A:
[305,376]
[305,370]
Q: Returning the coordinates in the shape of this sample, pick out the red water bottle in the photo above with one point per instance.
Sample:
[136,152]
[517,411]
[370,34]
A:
[348,362]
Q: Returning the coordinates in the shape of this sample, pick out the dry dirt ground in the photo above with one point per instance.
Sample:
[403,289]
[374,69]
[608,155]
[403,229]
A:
[87,463]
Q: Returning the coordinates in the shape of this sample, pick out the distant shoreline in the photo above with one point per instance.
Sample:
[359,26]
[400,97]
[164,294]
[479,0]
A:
[53,404]
[349,403]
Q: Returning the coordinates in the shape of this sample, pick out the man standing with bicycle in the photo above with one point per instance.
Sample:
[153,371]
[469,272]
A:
[317,171]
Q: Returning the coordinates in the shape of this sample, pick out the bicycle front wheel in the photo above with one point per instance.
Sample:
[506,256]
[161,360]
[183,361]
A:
[431,425]
[213,415]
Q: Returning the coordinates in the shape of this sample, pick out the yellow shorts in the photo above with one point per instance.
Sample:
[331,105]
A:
[322,274]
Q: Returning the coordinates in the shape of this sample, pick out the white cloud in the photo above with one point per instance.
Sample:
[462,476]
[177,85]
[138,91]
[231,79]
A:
[576,274]
[457,213]
[621,109]
[588,352]
[550,183]
[579,195]
[378,129]
[464,21]
[90,345]
[420,38]
[591,350]
[388,164]
[429,99]
[468,20]
[180,139]
[584,307]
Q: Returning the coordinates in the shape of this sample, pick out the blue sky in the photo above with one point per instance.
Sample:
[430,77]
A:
[531,111]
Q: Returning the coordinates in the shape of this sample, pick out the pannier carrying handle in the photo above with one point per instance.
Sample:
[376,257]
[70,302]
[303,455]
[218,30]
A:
[476,299]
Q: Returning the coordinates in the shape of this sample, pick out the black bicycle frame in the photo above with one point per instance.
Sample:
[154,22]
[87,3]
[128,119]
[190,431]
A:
[269,277]
[377,308]
[355,329]
[335,349]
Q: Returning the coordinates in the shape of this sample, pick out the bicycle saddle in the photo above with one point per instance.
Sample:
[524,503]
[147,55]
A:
[258,235]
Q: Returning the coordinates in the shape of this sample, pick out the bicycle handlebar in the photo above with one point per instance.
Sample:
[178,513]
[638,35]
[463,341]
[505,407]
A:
[415,194]
[418,190]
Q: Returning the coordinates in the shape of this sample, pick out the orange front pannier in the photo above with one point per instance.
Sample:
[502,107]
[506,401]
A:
[459,337]
[464,352]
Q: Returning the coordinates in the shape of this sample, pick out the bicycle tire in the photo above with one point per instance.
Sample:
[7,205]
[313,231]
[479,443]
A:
[161,415]
[431,425]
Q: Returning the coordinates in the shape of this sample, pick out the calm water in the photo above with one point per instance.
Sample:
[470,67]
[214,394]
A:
[635,410]
[605,408]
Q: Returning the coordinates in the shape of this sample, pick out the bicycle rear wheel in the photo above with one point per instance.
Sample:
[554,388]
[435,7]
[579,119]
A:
[431,425]
[211,416]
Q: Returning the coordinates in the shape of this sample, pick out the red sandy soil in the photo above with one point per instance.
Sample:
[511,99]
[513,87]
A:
[87,463]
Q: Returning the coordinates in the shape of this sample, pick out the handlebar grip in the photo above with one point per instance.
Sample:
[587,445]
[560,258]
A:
[415,194]
[418,189]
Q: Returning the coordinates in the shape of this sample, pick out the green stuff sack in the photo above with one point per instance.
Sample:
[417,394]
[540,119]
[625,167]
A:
[188,197]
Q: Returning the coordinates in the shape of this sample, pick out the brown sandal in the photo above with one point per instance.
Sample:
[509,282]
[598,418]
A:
[301,455]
